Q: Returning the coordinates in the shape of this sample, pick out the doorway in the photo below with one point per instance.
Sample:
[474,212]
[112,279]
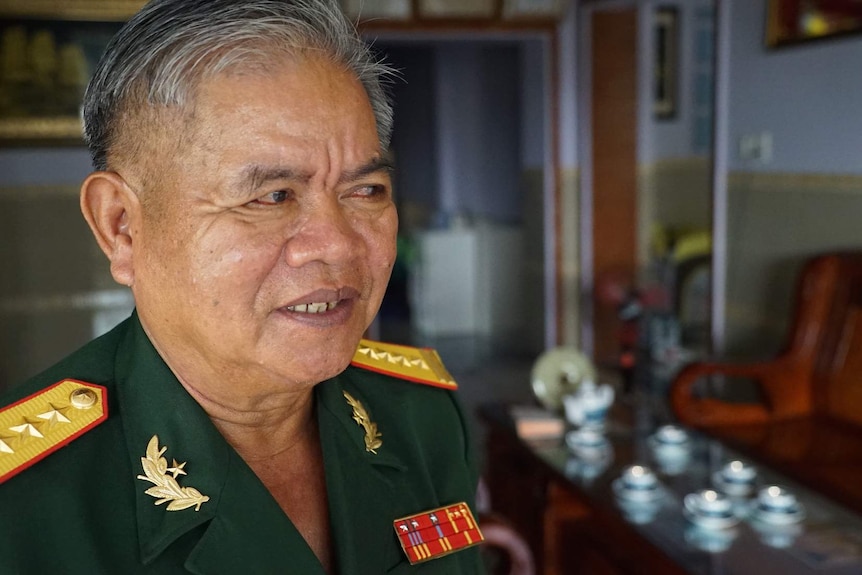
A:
[470,149]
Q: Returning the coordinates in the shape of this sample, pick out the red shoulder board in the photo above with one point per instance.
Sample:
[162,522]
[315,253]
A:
[437,532]
[36,426]
[421,365]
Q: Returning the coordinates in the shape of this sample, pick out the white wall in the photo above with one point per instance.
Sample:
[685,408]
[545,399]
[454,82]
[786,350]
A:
[807,96]
[41,166]
[674,137]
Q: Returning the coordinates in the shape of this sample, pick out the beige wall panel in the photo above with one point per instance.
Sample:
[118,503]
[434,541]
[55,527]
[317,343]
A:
[673,193]
[56,291]
[570,265]
[776,222]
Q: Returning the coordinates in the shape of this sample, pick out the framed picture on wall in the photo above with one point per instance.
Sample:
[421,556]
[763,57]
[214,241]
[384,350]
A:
[457,9]
[48,50]
[666,62]
[790,22]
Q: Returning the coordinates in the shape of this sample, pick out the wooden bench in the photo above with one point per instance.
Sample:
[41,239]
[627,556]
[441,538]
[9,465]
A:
[808,421]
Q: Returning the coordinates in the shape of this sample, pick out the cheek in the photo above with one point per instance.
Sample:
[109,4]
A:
[224,267]
[382,240]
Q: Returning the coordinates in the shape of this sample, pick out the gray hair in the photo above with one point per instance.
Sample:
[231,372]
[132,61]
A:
[158,58]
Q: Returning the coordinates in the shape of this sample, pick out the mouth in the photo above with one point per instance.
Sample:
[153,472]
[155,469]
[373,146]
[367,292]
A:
[323,302]
[314,307]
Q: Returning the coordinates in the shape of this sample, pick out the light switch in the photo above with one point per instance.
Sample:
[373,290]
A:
[756,147]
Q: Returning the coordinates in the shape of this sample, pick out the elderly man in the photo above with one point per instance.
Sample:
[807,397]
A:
[242,192]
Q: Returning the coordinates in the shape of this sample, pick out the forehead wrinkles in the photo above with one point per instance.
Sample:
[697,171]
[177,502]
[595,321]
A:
[330,129]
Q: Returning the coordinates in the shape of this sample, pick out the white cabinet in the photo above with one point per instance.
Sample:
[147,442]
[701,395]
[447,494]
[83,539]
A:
[469,282]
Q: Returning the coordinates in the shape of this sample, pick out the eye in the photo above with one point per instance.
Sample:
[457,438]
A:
[369,191]
[273,198]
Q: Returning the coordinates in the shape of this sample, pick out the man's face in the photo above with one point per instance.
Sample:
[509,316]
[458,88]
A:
[265,252]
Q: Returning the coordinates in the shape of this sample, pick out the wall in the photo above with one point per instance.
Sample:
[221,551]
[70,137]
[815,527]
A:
[674,138]
[807,96]
[808,198]
[414,138]
[674,186]
[569,184]
[478,127]
[55,292]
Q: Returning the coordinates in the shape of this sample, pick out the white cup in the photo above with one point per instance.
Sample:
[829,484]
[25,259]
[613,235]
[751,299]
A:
[585,438]
[638,477]
[709,503]
[671,435]
[776,498]
[737,472]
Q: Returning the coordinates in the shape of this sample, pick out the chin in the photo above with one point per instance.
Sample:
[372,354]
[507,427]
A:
[317,367]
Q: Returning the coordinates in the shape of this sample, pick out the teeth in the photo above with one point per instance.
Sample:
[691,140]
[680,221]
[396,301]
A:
[313,307]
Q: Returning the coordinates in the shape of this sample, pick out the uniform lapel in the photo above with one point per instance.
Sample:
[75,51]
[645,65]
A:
[250,533]
[361,486]
[243,528]
[152,402]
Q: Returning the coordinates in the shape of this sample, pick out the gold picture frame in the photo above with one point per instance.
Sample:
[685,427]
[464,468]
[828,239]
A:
[48,50]
[83,10]
[791,22]
[666,63]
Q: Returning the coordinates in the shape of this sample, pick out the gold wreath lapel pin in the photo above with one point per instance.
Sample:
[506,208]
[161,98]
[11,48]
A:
[360,416]
[164,479]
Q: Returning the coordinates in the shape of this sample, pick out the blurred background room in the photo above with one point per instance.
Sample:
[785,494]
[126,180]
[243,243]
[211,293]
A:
[640,181]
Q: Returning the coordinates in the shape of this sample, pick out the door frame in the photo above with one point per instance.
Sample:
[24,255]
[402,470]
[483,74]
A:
[585,147]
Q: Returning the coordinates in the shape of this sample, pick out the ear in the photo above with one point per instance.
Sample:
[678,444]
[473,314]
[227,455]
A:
[110,207]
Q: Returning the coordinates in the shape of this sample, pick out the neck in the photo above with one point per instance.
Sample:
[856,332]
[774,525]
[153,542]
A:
[262,429]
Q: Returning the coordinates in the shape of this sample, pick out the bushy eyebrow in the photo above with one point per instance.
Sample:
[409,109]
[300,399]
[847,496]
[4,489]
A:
[379,164]
[254,176]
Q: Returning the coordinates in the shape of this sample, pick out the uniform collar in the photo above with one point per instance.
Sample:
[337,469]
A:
[360,485]
[151,402]
[241,526]
[365,489]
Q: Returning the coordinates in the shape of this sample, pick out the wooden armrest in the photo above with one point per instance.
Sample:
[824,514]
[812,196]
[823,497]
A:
[499,533]
[782,381]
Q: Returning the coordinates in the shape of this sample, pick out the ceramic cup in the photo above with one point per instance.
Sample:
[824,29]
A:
[776,499]
[708,503]
[670,435]
[639,513]
[672,462]
[585,439]
[638,478]
[738,473]
[778,536]
[711,541]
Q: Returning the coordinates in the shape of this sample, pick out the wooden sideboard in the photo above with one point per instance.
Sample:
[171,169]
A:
[574,524]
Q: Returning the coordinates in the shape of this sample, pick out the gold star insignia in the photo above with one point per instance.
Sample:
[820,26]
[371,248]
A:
[177,469]
[26,432]
[54,416]
[6,443]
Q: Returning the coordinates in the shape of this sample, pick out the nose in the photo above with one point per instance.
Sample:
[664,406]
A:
[325,235]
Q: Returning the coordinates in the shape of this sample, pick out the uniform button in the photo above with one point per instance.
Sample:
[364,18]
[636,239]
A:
[83,398]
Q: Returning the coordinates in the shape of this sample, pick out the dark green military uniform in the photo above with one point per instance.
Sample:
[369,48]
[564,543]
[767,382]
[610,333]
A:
[83,510]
